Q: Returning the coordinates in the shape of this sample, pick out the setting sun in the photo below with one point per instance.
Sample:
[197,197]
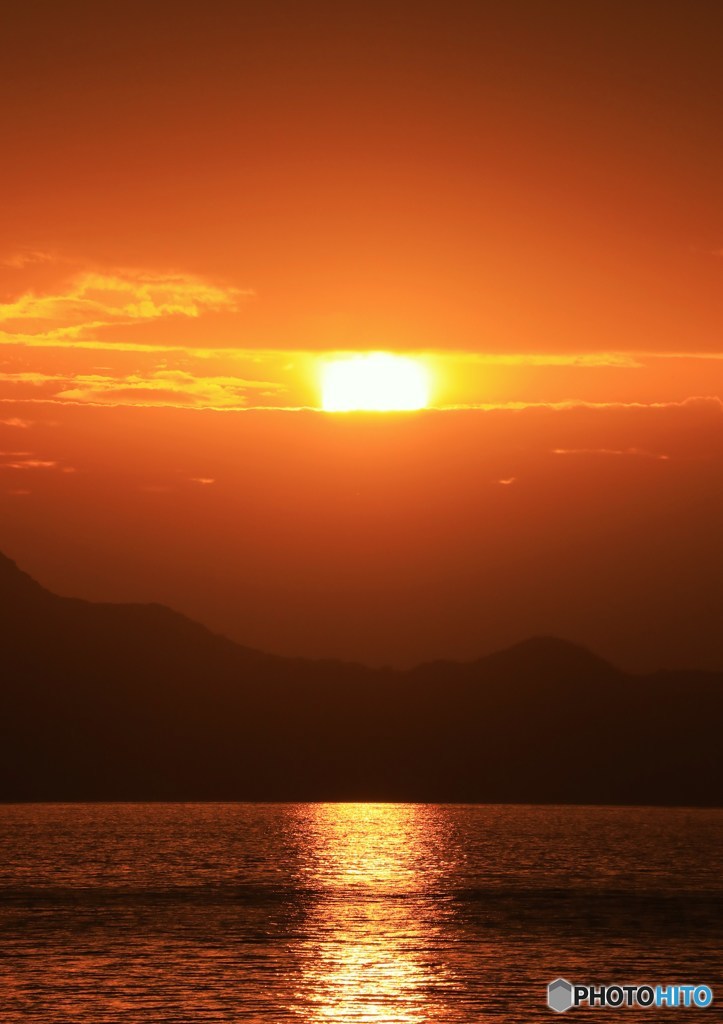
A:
[376,382]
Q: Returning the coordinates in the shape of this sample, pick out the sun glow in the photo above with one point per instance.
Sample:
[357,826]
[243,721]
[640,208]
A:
[376,382]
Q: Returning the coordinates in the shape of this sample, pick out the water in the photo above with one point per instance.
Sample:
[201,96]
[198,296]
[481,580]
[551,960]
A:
[349,912]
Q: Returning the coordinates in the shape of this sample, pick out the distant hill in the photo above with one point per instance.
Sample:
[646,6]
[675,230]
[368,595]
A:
[136,702]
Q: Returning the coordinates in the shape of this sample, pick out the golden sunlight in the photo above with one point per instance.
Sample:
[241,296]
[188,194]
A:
[377,382]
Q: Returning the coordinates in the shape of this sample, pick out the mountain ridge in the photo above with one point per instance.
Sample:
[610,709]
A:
[11,574]
[134,701]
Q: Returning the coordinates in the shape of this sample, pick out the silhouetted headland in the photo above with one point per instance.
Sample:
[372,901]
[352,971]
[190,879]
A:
[137,702]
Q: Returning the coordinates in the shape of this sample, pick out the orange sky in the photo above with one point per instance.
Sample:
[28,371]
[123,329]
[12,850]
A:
[201,202]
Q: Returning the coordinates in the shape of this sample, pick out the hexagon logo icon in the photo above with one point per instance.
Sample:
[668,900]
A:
[559,995]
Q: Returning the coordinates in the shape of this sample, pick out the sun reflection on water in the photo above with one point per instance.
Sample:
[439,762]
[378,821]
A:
[368,957]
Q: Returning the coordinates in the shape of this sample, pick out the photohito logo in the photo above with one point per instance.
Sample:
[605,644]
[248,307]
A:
[563,995]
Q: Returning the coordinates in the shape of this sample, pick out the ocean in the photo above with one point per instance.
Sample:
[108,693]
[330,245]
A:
[374,913]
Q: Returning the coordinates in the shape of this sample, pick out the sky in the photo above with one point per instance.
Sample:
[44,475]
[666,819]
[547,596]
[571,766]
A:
[202,205]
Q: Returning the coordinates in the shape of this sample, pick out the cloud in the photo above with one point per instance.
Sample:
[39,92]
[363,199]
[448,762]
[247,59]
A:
[69,338]
[693,356]
[636,452]
[16,421]
[711,403]
[26,257]
[164,388]
[92,300]
[30,463]
[24,461]
[31,377]
[625,360]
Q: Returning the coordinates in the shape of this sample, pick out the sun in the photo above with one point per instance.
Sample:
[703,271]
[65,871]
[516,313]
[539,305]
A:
[375,382]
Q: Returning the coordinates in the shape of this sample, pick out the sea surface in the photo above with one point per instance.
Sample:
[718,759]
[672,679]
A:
[350,912]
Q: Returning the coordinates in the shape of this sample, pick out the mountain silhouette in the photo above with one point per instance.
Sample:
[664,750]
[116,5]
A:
[138,702]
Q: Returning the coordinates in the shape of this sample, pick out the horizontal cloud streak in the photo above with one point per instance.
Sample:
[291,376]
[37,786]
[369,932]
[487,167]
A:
[636,452]
[712,401]
[165,388]
[92,299]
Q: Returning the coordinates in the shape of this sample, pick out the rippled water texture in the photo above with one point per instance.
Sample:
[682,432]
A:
[349,912]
